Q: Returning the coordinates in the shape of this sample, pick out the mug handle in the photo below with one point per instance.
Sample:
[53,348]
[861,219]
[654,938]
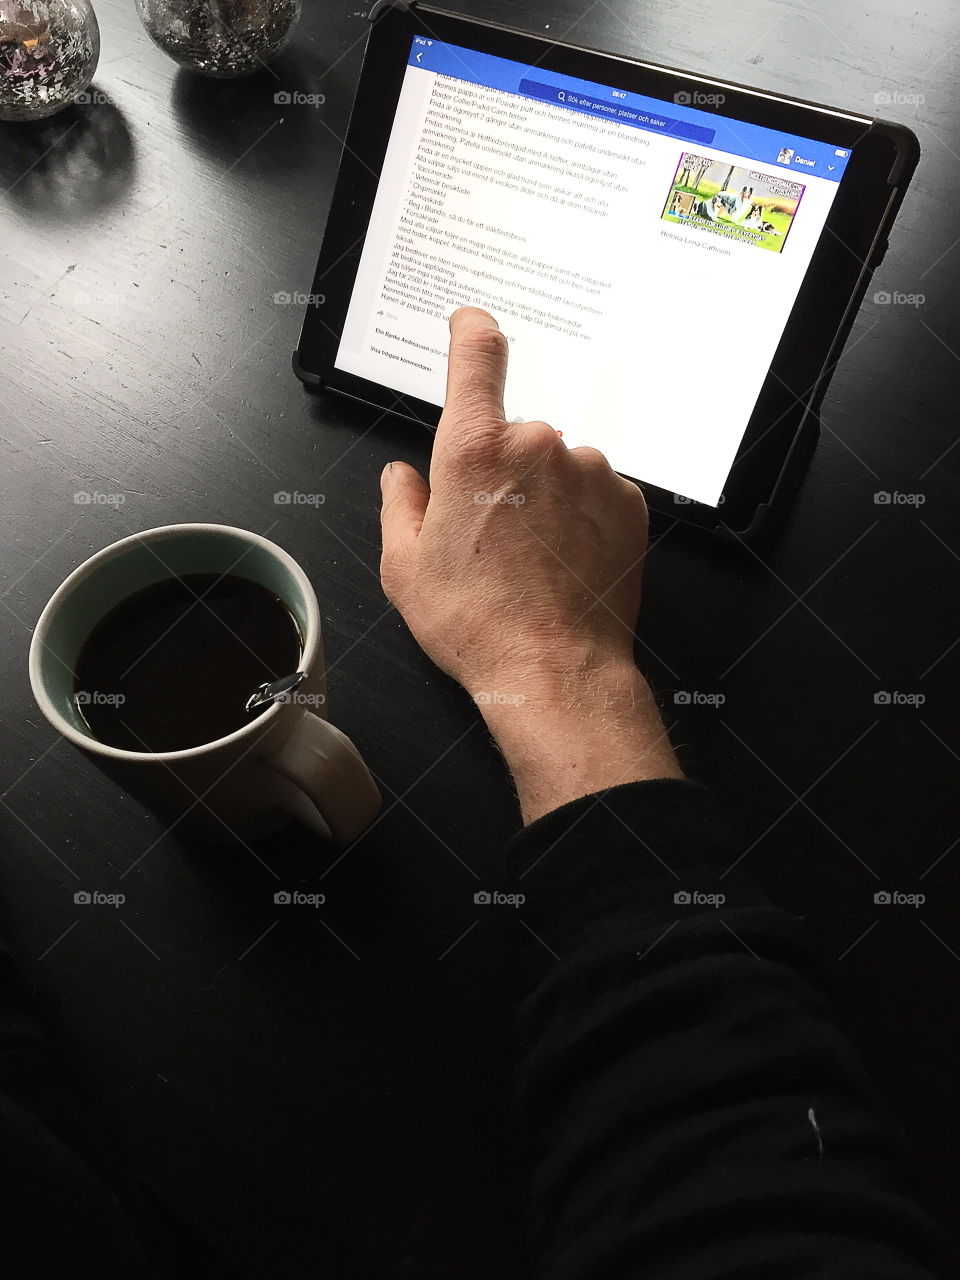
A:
[325,765]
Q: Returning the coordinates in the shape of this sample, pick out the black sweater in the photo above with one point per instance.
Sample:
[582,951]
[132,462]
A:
[690,1109]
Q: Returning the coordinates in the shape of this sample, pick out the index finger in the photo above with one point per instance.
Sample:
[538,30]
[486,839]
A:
[476,372]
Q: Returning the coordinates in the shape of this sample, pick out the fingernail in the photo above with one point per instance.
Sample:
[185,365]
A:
[383,474]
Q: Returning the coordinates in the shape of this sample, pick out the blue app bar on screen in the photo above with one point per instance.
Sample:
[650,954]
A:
[675,119]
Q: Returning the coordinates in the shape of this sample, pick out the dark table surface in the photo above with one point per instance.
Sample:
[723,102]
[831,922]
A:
[333,1085]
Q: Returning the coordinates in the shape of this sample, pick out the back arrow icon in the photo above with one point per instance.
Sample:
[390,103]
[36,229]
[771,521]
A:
[420,55]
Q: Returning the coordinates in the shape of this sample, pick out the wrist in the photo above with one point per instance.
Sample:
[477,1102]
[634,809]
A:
[588,729]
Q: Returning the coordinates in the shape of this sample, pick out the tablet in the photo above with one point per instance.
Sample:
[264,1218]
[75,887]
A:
[675,260]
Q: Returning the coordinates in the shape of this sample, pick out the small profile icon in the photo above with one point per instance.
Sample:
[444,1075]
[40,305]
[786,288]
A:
[785,156]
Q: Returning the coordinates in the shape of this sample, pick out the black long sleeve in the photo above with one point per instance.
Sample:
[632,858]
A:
[688,1107]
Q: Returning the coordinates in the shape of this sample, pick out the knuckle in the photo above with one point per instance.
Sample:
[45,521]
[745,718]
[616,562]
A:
[479,346]
[590,458]
[478,440]
[632,492]
[392,574]
[637,503]
[538,438]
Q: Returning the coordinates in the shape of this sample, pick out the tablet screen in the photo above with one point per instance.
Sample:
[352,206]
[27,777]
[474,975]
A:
[641,256]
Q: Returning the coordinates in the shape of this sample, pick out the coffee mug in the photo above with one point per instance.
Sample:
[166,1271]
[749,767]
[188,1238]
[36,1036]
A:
[288,762]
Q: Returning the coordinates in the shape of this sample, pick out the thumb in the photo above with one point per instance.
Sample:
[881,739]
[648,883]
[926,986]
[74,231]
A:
[405,498]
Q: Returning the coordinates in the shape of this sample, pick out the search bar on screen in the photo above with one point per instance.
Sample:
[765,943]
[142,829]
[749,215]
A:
[619,112]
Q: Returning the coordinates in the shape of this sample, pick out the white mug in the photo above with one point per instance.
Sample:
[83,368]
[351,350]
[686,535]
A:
[287,762]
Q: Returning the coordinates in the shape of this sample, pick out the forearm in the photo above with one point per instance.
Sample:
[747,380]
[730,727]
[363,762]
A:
[580,733]
[689,1107]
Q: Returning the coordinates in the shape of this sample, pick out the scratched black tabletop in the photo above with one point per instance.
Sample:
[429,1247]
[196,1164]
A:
[328,1089]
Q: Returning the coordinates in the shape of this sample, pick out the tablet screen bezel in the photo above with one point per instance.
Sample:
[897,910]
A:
[839,270]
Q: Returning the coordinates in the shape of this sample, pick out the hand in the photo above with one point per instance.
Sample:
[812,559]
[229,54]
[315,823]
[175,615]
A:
[522,560]
[518,570]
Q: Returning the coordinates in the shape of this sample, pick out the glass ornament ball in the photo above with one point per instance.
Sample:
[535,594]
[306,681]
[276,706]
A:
[220,38]
[48,54]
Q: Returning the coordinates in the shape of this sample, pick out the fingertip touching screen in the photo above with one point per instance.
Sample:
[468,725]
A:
[642,257]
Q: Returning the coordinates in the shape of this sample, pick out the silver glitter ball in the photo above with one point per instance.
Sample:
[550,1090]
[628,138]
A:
[48,54]
[220,37]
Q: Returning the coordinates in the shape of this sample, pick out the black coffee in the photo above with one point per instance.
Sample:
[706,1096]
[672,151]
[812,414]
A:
[173,665]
